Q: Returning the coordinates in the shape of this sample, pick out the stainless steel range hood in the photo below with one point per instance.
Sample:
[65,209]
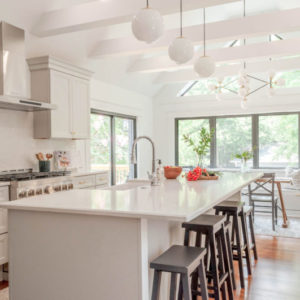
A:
[13,72]
[13,103]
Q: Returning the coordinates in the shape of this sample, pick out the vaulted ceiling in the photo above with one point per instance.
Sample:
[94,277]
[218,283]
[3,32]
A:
[97,35]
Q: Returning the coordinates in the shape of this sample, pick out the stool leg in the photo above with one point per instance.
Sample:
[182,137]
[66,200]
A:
[195,274]
[276,212]
[214,265]
[202,277]
[239,249]
[227,265]
[173,286]
[253,236]
[180,289]
[246,242]
[156,285]
[273,216]
[187,295]
[230,257]
[194,285]
[221,266]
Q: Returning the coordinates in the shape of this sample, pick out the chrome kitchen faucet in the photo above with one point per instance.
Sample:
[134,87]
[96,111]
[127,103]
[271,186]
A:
[153,176]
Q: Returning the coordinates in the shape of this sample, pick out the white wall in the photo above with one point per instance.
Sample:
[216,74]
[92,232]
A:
[166,109]
[110,98]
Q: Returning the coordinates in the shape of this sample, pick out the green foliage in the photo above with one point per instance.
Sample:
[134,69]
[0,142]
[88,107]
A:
[292,78]
[233,136]
[101,139]
[200,147]
[278,140]
[245,155]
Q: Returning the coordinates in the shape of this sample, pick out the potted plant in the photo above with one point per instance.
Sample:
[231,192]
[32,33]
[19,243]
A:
[201,146]
[244,157]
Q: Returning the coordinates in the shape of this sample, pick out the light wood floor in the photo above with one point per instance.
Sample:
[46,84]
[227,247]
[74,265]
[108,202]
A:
[276,274]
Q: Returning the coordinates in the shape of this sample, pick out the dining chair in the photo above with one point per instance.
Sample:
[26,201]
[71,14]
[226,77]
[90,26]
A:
[262,197]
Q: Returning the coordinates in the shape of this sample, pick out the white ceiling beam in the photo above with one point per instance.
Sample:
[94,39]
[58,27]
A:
[222,55]
[230,70]
[97,13]
[263,24]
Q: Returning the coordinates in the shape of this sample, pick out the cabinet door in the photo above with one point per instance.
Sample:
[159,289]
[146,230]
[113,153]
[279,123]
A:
[3,248]
[80,109]
[3,211]
[61,96]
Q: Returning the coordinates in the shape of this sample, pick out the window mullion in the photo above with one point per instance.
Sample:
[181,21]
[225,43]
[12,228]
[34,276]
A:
[213,143]
[113,150]
[255,140]
[176,143]
[298,140]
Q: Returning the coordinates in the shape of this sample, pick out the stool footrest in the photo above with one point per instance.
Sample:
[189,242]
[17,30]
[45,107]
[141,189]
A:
[223,278]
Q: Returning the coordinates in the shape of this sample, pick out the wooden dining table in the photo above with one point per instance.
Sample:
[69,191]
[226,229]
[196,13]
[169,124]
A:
[278,181]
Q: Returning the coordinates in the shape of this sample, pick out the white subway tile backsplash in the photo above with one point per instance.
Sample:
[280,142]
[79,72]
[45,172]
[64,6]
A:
[17,146]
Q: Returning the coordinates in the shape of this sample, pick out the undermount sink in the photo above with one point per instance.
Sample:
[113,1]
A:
[131,184]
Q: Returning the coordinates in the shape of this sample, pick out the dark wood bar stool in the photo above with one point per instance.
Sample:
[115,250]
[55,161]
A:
[210,230]
[249,214]
[228,227]
[183,261]
[240,245]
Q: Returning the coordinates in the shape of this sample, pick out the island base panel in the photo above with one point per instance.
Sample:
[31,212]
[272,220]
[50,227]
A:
[73,256]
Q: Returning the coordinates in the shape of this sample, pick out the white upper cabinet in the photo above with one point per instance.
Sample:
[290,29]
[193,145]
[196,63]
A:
[66,86]
[80,109]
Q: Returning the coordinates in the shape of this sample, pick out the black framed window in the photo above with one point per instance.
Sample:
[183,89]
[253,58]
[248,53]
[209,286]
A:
[112,136]
[274,138]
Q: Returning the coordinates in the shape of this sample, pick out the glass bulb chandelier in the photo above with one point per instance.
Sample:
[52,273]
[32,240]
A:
[243,81]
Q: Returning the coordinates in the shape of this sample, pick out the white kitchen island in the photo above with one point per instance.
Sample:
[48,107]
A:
[97,244]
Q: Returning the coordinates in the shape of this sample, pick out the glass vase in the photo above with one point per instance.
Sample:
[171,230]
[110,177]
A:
[244,166]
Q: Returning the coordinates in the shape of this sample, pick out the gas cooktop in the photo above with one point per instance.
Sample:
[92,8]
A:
[28,174]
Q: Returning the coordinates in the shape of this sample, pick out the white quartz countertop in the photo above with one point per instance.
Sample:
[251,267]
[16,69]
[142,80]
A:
[4,183]
[174,199]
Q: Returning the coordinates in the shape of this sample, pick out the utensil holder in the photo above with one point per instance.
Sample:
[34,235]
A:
[44,166]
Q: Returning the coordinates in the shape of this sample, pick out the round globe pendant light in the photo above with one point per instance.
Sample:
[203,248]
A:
[147,25]
[181,49]
[204,66]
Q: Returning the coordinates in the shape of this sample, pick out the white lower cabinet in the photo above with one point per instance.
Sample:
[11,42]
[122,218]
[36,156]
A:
[4,196]
[3,248]
[82,182]
[91,181]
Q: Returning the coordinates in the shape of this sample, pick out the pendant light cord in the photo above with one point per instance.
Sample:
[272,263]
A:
[147,3]
[244,14]
[204,32]
[180,18]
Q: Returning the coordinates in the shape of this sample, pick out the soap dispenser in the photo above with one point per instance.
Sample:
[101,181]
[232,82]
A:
[160,170]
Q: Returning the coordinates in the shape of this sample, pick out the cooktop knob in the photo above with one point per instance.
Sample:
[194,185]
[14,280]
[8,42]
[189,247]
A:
[22,194]
[48,189]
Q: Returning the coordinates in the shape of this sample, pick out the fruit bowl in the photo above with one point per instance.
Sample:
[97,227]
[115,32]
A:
[172,172]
